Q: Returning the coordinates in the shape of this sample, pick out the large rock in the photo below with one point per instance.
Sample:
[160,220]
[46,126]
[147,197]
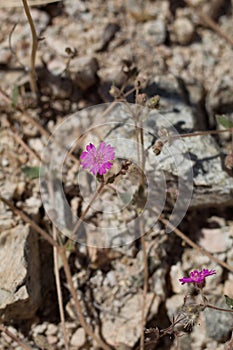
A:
[126,327]
[19,273]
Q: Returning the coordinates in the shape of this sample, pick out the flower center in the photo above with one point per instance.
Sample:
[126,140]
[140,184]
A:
[99,158]
[196,276]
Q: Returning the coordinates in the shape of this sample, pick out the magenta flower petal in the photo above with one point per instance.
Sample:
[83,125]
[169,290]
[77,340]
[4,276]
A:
[197,276]
[98,160]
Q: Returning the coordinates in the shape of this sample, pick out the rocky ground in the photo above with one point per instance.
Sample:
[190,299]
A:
[85,48]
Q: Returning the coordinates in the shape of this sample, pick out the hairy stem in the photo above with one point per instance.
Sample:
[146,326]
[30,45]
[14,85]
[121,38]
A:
[218,308]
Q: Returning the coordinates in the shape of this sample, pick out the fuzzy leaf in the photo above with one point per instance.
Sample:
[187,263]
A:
[14,96]
[33,172]
[229,301]
[224,121]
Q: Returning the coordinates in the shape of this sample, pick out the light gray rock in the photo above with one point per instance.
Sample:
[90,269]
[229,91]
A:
[218,324]
[19,273]
[183,31]
[78,338]
[155,30]
[176,272]
[216,240]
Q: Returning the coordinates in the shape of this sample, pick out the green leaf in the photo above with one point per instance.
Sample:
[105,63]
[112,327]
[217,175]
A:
[33,172]
[224,121]
[229,301]
[14,96]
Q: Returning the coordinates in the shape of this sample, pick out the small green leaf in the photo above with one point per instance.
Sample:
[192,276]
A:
[224,121]
[14,96]
[33,172]
[229,301]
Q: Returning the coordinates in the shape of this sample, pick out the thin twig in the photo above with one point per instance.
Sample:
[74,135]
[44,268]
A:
[34,122]
[145,286]
[82,321]
[212,24]
[13,337]
[33,83]
[201,133]
[12,50]
[194,245]
[20,141]
[56,269]
[62,252]
[25,218]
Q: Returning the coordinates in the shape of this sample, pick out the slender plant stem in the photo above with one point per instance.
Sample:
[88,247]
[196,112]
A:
[93,198]
[56,268]
[217,308]
[33,83]
[145,286]
[13,337]
[59,292]
[99,341]
[201,133]
[141,161]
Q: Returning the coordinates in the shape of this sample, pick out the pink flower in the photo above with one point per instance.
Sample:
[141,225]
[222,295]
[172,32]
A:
[197,276]
[98,160]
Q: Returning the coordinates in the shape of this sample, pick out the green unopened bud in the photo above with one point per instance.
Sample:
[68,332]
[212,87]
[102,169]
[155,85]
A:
[153,102]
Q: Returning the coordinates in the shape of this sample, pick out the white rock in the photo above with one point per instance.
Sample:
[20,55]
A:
[19,273]
[78,338]
[176,273]
[183,30]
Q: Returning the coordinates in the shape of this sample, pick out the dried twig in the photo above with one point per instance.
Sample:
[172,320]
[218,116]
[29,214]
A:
[56,269]
[61,250]
[145,288]
[13,337]
[194,245]
[12,50]
[87,329]
[33,83]
[213,25]
[21,142]
[25,218]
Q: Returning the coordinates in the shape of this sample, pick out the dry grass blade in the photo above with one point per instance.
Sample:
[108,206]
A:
[18,3]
